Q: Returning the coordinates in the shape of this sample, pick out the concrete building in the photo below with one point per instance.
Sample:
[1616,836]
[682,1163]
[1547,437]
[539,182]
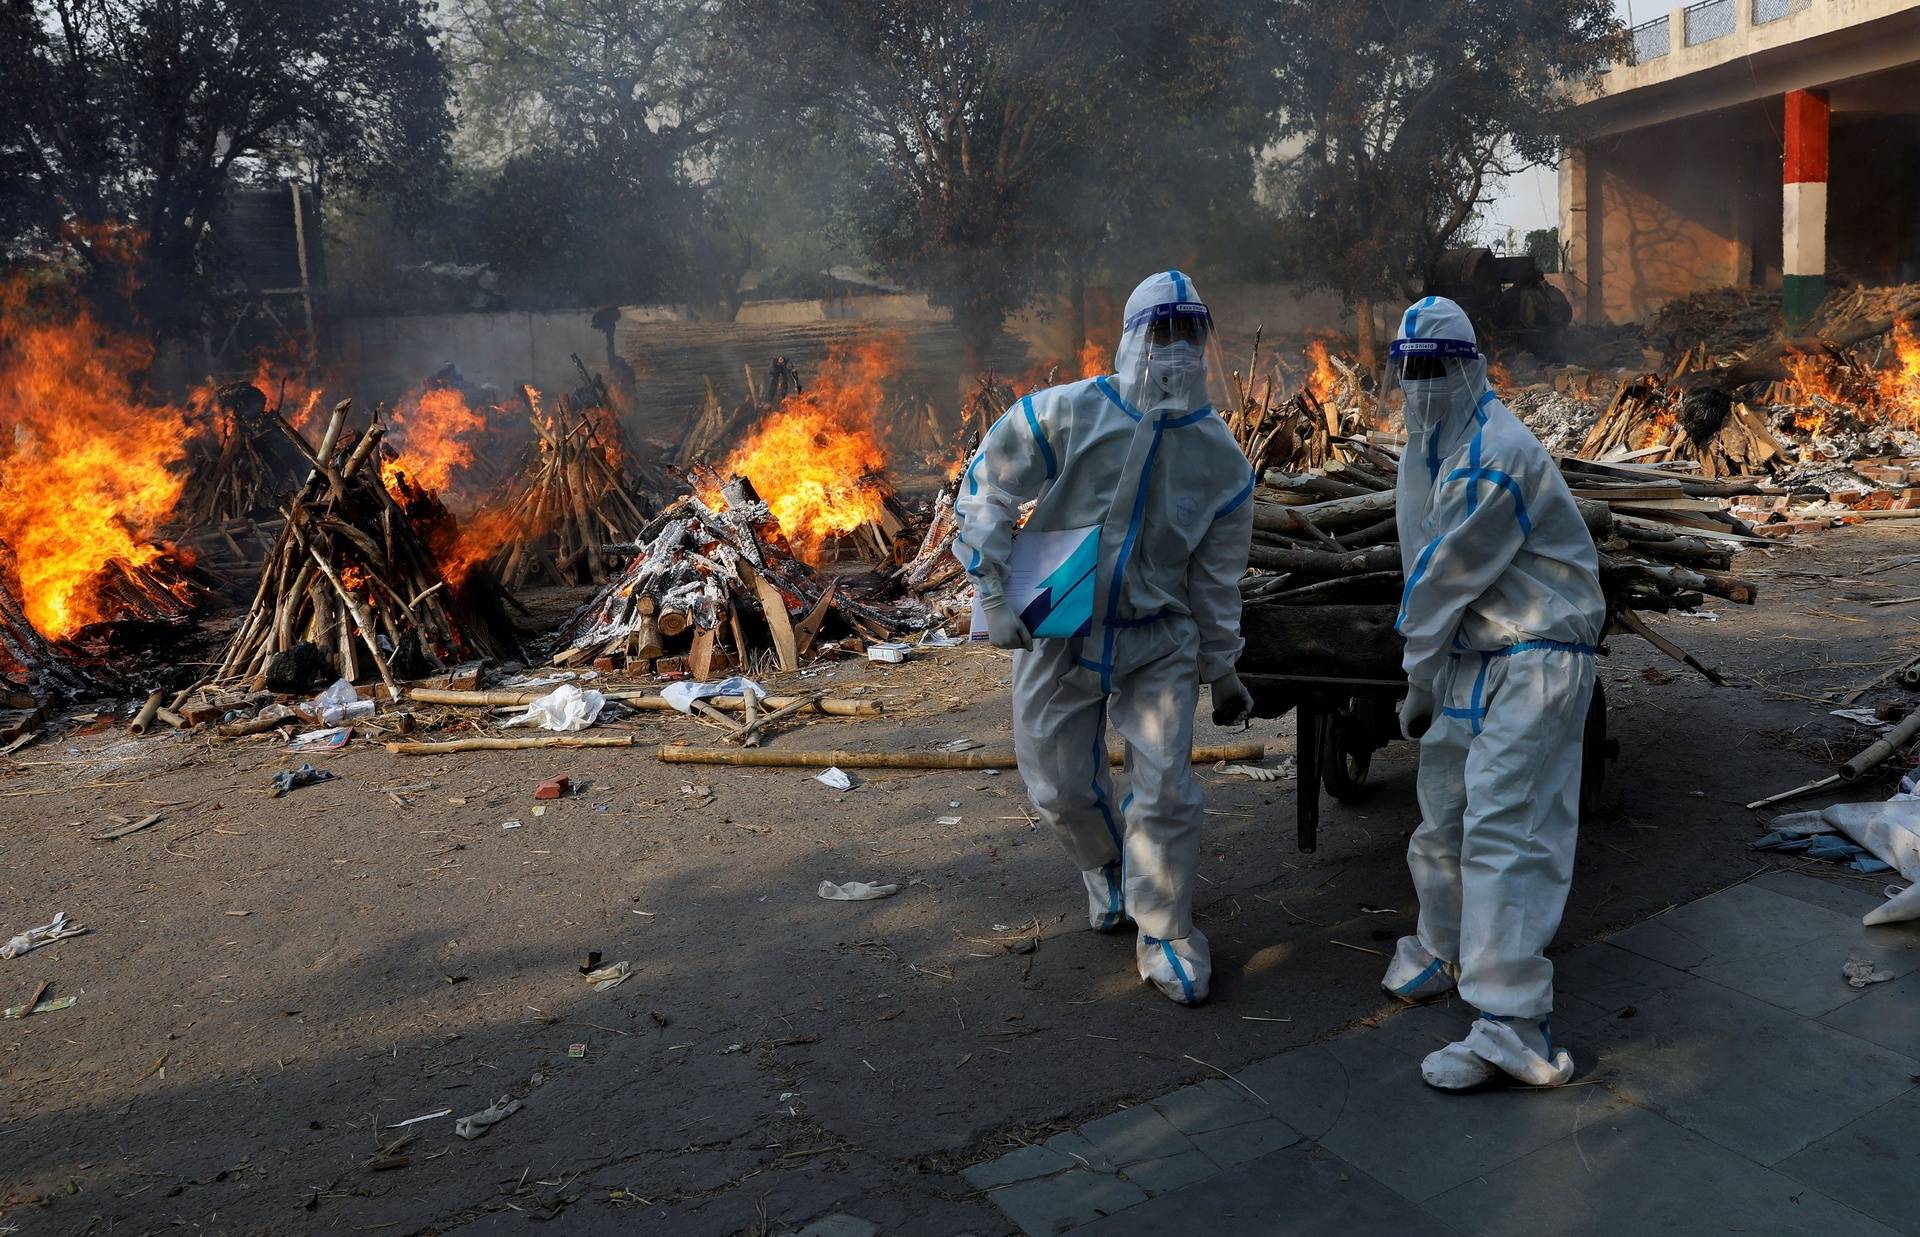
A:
[1759,143]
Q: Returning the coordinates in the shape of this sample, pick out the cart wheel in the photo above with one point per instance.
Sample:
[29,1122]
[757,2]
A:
[1345,757]
[1596,750]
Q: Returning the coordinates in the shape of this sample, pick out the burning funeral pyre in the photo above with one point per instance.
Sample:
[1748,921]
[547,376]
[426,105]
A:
[89,475]
[352,577]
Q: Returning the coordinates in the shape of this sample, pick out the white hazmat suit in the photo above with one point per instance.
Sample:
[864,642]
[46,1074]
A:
[1141,471]
[1501,612]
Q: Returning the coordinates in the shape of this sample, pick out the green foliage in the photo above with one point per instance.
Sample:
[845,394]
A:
[1543,245]
[997,141]
[1396,117]
[145,112]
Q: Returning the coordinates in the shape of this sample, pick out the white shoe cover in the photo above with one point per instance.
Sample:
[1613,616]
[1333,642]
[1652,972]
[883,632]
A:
[1181,969]
[1106,897]
[1493,1047]
[1415,975]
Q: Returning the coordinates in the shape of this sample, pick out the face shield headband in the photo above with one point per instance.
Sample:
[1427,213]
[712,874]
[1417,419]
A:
[1172,322]
[1424,360]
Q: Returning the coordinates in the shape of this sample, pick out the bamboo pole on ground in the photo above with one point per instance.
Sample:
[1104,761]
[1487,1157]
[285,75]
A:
[775,759]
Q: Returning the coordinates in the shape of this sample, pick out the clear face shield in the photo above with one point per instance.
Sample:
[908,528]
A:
[1170,360]
[1437,378]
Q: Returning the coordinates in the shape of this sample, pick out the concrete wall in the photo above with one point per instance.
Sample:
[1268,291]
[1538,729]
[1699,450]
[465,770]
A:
[1659,213]
[674,349]
[381,358]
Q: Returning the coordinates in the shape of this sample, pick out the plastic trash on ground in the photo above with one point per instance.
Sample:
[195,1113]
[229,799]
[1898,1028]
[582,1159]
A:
[937,638]
[835,777]
[493,1114]
[682,695]
[56,929]
[855,891]
[1284,771]
[338,704]
[321,740]
[612,975]
[1860,973]
[567,707]
[294,779]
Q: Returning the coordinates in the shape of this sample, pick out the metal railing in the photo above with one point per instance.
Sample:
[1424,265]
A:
[1708,20]
[1765,11]
[1651,40]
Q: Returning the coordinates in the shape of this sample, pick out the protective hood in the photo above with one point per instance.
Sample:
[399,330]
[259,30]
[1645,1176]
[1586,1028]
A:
[1165,361]
[1437,362]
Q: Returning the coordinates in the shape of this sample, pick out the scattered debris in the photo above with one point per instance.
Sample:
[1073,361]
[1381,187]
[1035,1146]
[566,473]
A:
[612,975]
[425,1116]
[855,891]
[59,928]
[294,779]
[476,1124]
[567,707]
[1860,973]
[835,777]
[552,788]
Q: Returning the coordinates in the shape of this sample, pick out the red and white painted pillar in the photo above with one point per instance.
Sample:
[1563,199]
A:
[1804,234]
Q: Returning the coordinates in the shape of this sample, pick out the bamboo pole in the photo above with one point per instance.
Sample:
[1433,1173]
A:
[773,759]
[143,720]
[636,698]
[510,745]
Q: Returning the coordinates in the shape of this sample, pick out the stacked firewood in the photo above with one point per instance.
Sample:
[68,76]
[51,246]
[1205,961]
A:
[350,574]
[1301,430]
[243,470]
[1653,420]
[706,589]
[575,498]
[27,657]
[715,427]
[1330,539]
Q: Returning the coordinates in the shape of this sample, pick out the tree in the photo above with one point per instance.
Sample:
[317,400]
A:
[143,113]
[1395,117]
[590,127]
[998,140]
[1543,246]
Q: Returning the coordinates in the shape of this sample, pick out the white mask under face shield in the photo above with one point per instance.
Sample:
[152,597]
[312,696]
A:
[1170,360]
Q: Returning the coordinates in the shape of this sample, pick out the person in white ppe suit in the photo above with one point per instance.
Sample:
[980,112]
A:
[1501,613]
[1141,488]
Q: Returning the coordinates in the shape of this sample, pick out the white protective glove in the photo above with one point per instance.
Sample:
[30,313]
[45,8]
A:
[1232,702]
[1004,628]
[1416,711]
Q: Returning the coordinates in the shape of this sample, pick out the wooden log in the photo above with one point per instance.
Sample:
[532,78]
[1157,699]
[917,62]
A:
[786,645]
[1638,626]
[776,759]
[526,743]
[1325,563]
[700,655]
[1363,508]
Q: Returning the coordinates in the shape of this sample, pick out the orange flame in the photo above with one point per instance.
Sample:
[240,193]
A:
[1096,359]
[811,458]
[474,542]
[1813,375]
[1321,382]
[87,467]
[1657,429]
[1900,386]
[433,439]
[1499,376]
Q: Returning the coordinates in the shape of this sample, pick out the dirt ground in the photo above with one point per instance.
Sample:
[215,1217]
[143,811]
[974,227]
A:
[271,984]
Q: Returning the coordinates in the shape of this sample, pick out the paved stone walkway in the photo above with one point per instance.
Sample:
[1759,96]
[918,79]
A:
[1730,1081]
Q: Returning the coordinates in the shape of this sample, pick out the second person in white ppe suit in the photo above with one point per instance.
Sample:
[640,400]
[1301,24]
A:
[1501,612]
[1138,474]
